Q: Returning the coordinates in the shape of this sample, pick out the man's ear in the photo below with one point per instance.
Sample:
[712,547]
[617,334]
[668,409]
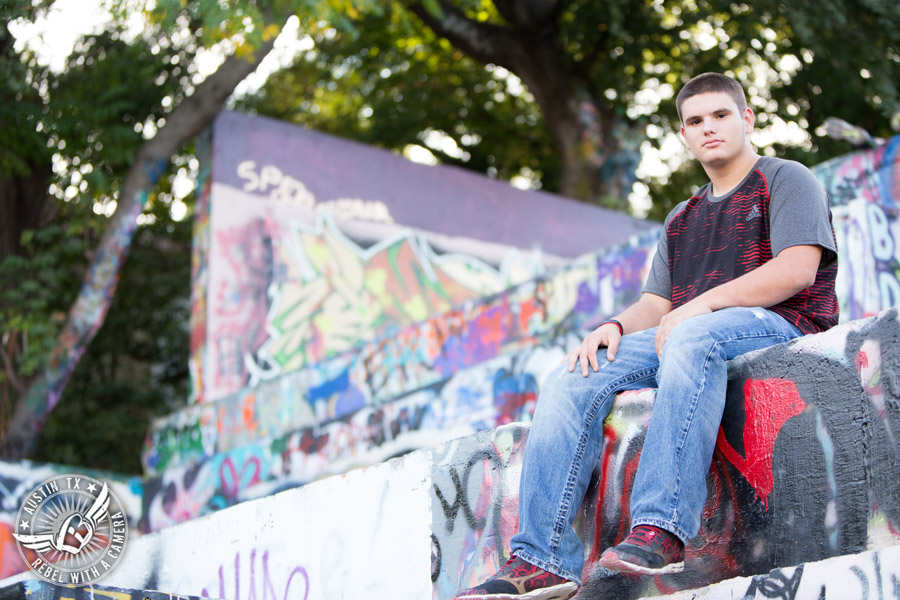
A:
[749,120]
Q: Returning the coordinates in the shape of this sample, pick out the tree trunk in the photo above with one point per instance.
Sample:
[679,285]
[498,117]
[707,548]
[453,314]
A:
[86,315]
[23,199]
[596,165]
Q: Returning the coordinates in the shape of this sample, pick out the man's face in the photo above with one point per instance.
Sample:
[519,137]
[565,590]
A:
[715,131]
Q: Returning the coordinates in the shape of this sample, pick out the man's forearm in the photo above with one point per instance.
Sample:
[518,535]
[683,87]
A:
[793,270]
[644,314]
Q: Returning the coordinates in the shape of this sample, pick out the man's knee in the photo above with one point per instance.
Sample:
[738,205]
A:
[689,339]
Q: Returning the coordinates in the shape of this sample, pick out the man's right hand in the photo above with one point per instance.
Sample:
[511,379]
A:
[606,335]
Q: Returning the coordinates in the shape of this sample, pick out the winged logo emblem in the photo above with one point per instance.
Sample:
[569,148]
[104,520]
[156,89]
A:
[76,531]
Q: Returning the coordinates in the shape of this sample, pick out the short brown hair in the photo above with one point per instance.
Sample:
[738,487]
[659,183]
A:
[712,82]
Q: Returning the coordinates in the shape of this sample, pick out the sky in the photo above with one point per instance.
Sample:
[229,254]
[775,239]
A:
[53,38]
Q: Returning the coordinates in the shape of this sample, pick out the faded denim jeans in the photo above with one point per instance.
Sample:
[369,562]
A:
[566,436]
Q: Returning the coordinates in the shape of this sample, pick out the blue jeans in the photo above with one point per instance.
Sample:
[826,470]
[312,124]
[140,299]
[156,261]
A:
[566,436]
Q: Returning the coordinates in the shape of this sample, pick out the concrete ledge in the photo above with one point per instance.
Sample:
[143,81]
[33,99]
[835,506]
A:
[860,576]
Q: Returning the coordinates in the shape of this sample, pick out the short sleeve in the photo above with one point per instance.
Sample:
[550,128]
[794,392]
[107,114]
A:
[798,211]
[659,280]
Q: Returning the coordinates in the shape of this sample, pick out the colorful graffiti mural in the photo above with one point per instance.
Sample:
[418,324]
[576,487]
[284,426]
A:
[414,357]
[295,277]
[502,389]
[283,300]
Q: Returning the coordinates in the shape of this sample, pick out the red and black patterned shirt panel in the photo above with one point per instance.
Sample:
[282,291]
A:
[711,243]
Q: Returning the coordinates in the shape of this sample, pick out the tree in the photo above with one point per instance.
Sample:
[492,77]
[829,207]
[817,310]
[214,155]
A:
[136,367]
[397,83]
[594,75]
[190,115]
[244,31]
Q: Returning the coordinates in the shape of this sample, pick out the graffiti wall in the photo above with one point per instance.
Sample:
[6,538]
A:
[315,244]
[413,357]
[874,574]
[17,479]
[865,194]
[312,406]
[306,301]
[376,535]
[799,475]
[501,390]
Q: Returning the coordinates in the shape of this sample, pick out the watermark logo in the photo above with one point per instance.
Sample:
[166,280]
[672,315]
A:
[71,529]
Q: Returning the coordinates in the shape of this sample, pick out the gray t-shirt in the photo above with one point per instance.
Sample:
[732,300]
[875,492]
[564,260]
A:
[798,215]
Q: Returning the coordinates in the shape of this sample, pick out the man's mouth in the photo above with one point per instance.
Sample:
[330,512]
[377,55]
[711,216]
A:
[709,143]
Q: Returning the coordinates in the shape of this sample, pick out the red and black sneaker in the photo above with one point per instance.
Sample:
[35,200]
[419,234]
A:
[647,550]
[519,580]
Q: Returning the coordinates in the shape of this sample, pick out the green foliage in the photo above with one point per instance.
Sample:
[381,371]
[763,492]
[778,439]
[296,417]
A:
[47,278]
[136,368]
[20,104]
[245,24]
[90,121]
[800,61]
[395,83]
[109,93]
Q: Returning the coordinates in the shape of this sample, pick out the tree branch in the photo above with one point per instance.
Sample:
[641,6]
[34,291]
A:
[530,53]
[6,354]
[528,13]
[485,42]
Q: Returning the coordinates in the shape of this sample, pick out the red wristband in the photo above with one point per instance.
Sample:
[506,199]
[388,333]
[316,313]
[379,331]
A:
[614,322]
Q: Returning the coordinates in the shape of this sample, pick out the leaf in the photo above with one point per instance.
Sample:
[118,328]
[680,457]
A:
[434,9]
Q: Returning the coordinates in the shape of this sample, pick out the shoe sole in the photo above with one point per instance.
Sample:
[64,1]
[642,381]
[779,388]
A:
[612,562]
[563,591]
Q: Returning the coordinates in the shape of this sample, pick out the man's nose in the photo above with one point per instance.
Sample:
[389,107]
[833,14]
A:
[709,126]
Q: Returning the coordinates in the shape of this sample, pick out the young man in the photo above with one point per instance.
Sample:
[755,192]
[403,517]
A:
[750,261]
